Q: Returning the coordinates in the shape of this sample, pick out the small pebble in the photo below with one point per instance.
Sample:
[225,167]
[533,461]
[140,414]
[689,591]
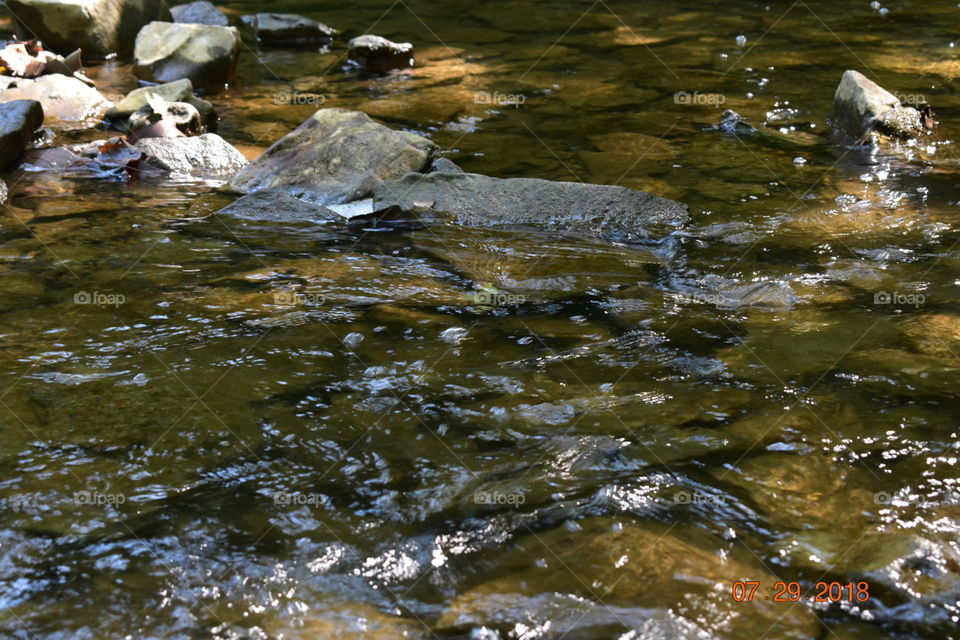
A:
[741,40]
[353,339]
[453,335]
[799,161]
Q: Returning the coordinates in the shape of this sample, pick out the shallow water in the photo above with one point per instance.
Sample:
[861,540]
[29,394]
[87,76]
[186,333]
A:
[268,431]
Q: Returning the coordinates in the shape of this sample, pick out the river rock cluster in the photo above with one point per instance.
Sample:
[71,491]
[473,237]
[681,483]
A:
[336,161]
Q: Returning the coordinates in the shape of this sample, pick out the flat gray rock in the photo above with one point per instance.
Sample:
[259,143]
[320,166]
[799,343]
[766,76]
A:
[199,12]
[287,29]
[861,106]
[98,27]
[481,201]
[336,156]
[204,54]
[19,121]
[208,154]
[276,206]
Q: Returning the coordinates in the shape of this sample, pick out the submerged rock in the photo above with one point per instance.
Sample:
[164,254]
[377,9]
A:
[287,29]
[19,121]
[98,27]
[63,98]
[861,106]
[733,123]
[641,570]
[206,55]
[336,156]
[481,201]
[378,55]
[276,206]
[177,91]
[208,154]
[199,12]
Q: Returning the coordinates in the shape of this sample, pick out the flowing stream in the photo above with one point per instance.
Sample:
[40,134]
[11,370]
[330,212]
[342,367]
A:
[219,430]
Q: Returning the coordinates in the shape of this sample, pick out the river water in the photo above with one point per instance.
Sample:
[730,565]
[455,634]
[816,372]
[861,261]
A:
[214,429]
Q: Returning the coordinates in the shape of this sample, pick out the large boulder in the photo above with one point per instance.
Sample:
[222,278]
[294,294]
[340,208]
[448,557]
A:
[19,121]
[287,29]
[64,99]
[206,55]
[481,201]
[861,106]
[276,206]
[177,91]
[98,27]
[336,156]
[199,12]
[379,55]
[208,154]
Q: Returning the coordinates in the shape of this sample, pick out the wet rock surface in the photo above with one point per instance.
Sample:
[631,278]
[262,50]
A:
[481,201]
[733,123]
[199,12]
[861,106]
[208,154]
[287,30]
[277,206]
[204,54]
[180,115]
[67,102]
[19,121]
[177,91]
[376,54]
[97,27]
[336,156]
